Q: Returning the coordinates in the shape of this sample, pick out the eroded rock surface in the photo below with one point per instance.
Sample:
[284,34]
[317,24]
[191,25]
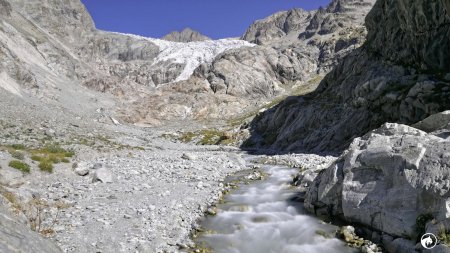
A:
[386,180]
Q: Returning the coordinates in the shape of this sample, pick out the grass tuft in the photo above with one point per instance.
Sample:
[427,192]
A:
[46,166]
[20,166]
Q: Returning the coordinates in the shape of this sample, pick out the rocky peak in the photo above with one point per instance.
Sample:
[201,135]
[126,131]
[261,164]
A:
[187,35]
[338,14]
[413,33]
[277,26]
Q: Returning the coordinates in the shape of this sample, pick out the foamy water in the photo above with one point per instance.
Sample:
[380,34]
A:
[259,218]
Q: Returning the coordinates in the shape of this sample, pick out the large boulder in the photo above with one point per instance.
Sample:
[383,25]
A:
[386,180]
[435,122]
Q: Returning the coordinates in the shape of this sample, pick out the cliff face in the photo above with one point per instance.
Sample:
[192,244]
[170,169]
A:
[277,26]
[412,34]
[399,75]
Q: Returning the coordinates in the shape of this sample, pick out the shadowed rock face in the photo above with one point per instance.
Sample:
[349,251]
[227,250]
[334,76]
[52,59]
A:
[413,34]
[371,86]
[187,35]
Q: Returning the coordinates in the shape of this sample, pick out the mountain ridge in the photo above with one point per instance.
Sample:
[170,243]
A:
[186,35]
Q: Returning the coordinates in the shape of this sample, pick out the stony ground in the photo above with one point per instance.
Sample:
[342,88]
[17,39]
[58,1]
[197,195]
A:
[126,200]
[126,189]
[151,204]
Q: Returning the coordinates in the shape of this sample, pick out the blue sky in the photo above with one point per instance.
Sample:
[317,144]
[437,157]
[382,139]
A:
[214,18]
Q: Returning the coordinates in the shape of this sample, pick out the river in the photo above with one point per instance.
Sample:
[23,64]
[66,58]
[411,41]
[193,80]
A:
[261,218]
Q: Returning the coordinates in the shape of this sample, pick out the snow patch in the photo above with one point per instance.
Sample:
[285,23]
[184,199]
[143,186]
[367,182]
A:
[192,54]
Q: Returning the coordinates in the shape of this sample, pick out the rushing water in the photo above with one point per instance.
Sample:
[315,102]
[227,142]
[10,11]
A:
[260,218]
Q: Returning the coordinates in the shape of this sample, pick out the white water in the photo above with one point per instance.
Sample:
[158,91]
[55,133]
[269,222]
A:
[259,218]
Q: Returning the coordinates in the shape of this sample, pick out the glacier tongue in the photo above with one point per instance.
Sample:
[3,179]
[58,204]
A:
[192,54]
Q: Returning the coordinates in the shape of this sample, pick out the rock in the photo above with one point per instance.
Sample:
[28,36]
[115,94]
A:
[97,166]
[407,41]
[212,211]
[189,157]
[277,26]
[400,245]
[374,84]
[103,175]
[82,171]
[115,121]
[439,249]
[365,183]
[348,233]
[187,35]
[434,122]
[447,77]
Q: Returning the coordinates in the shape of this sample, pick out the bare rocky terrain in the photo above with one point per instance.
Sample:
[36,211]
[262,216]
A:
[109,142]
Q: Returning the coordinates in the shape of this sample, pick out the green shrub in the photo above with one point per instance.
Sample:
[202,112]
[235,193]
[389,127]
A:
[46,166]
[20,166]
[54,159]
[444,237]
[54,149]
[36,158]
[69,153]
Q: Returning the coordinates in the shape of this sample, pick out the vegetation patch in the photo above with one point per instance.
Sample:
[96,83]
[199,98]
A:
[207,137]
[47,156]
[46,165]
[20,166]
[50,155]
[12,199]
[444,237]
[421,222]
